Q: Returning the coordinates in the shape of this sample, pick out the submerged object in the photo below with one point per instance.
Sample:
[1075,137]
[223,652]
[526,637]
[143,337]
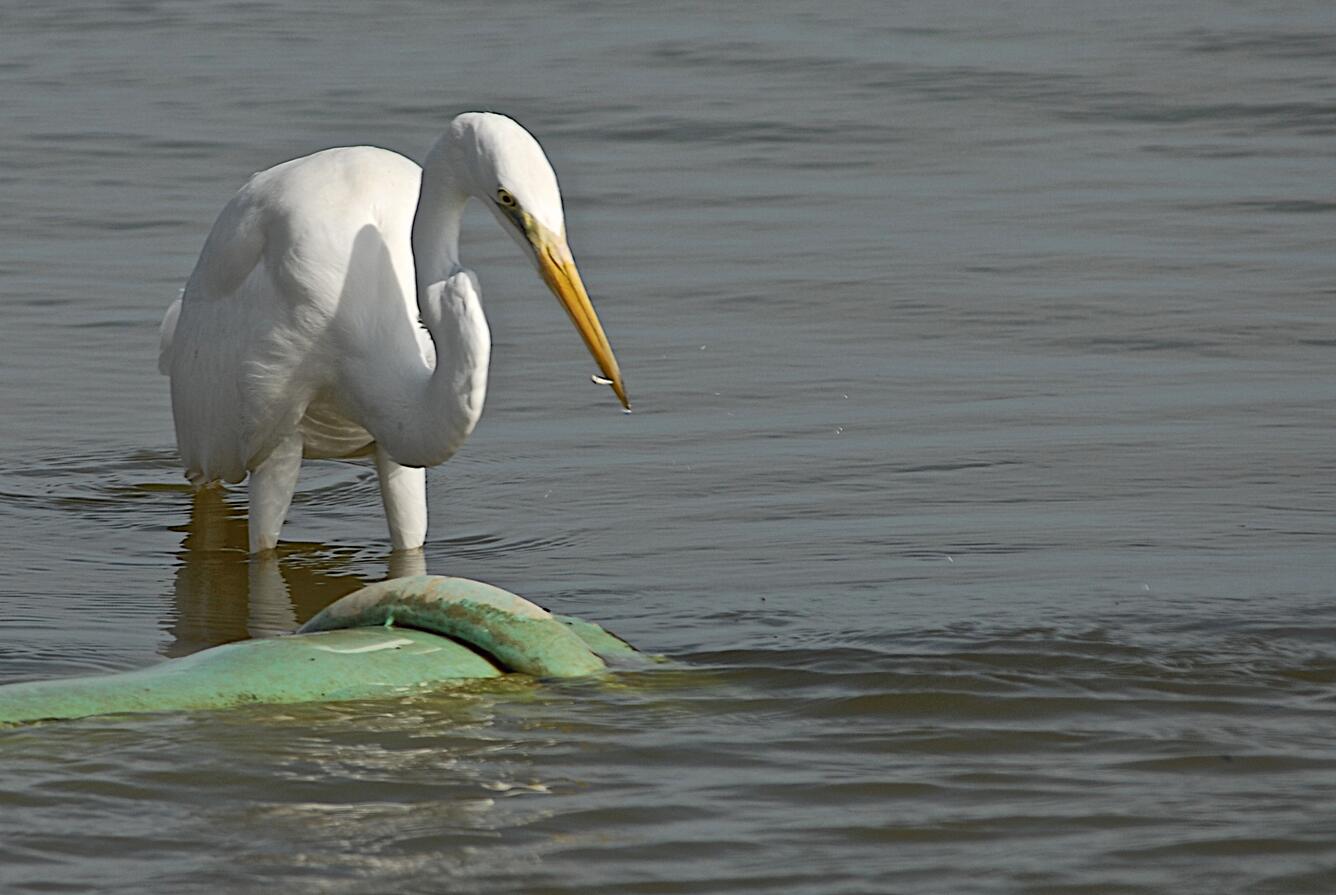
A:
[396,637]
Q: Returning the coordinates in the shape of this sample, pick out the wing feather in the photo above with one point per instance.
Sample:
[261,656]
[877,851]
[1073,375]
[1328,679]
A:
[248,344]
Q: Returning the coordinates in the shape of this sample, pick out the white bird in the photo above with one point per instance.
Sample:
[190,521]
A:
[297,334]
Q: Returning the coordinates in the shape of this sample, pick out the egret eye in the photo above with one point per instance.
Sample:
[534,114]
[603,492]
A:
[504,197]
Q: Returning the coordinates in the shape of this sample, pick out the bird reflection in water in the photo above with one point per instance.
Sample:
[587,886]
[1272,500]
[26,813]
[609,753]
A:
[220,594]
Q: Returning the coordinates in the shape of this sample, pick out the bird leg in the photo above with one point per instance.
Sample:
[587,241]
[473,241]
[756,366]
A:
[271,485]
[403,490]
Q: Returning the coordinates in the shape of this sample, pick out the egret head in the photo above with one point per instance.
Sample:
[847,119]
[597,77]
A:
[501,165]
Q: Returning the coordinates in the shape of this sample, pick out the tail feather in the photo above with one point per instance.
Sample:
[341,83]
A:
[165,336]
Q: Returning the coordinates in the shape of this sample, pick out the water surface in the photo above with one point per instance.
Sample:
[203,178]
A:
[980,487]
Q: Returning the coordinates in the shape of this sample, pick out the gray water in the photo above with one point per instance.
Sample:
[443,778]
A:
[980,488]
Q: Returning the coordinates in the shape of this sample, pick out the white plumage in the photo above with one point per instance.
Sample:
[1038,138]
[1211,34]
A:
[298,334]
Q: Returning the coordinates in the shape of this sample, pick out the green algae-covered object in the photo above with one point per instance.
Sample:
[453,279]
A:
[391,638]
[522,636]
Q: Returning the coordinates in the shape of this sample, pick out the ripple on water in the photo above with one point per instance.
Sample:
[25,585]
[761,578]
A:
[1056,741]
[1043,605]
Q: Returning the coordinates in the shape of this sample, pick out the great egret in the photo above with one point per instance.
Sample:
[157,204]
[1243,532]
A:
[298,335]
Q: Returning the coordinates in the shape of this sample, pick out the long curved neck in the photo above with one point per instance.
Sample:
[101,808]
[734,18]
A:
[441,201]
[419,413]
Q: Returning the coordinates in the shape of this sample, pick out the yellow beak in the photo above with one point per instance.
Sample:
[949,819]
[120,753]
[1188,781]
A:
[557,267]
